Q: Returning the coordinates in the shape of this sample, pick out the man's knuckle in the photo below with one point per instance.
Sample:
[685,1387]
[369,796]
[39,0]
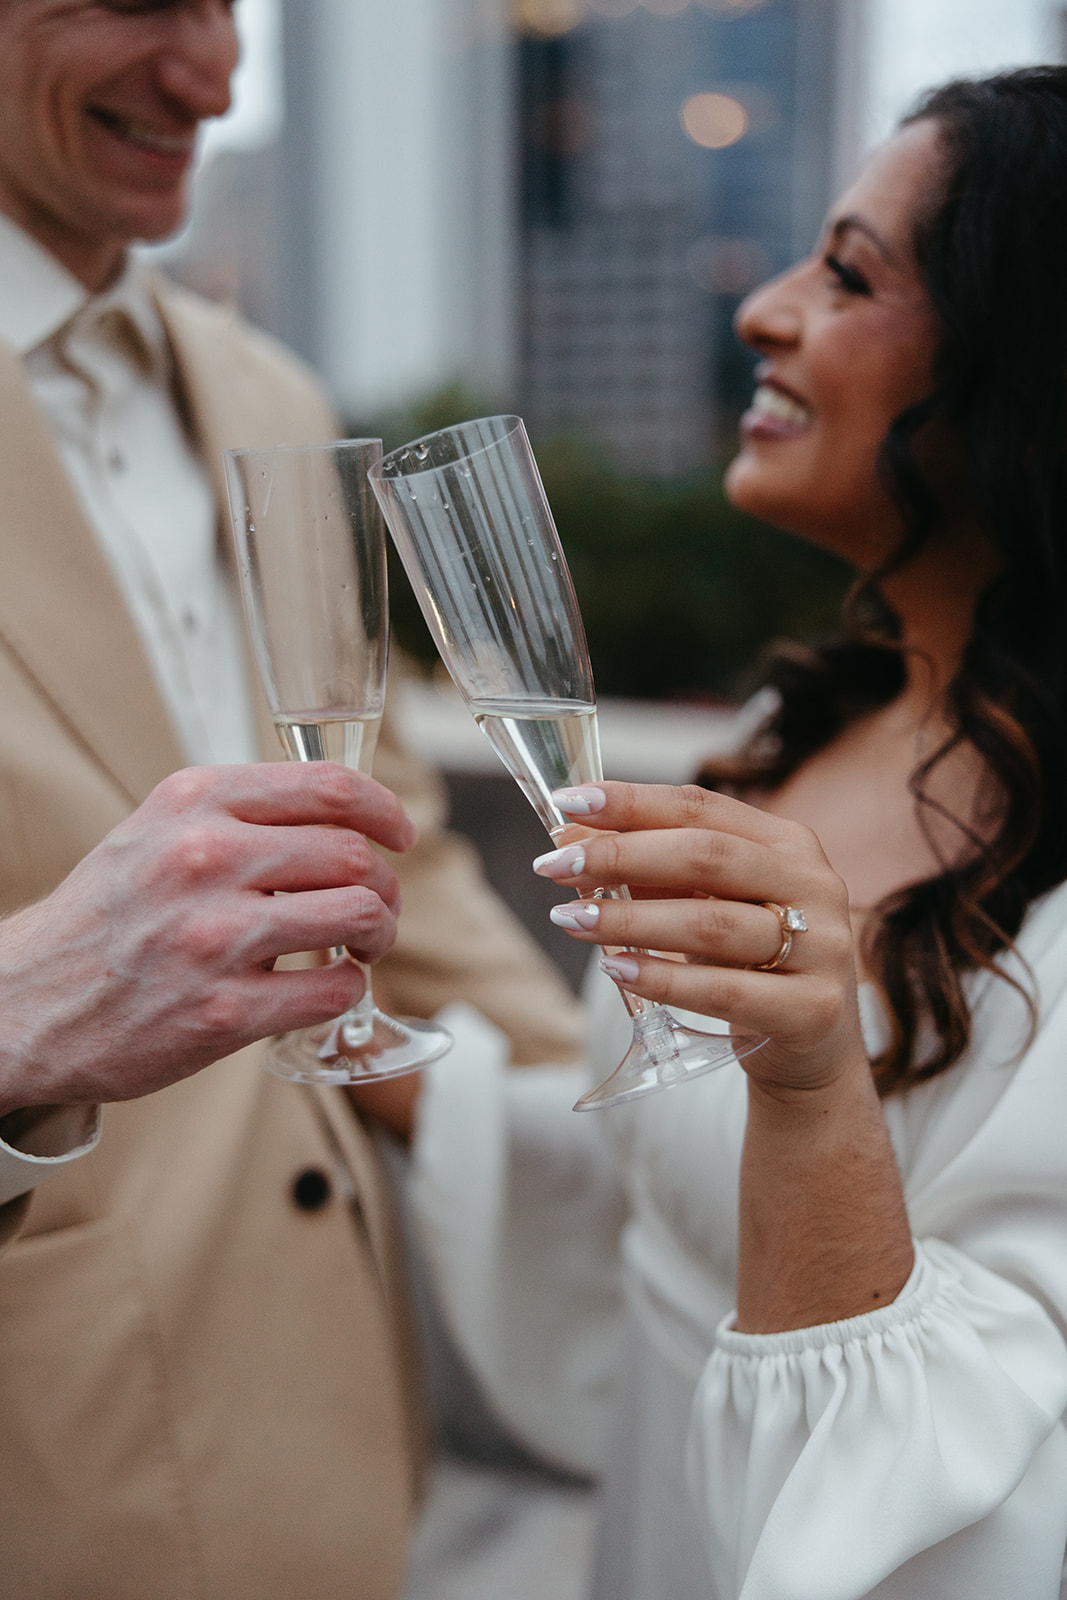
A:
[363,910]
[333,785]
[355,856]
[221,1013]
[195,853]
[204,942]
[182,789]
[336,989]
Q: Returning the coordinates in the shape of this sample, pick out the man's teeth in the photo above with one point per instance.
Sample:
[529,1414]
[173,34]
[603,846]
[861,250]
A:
[773,403]
[168,144]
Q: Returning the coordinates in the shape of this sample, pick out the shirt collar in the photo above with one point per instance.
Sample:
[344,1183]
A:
[38,295]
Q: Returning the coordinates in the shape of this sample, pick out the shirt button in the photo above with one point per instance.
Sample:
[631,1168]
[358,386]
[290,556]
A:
[190,620]
[116,461]
[311,1189]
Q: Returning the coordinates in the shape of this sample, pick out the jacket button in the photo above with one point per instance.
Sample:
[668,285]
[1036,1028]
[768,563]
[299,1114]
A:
[311,1189]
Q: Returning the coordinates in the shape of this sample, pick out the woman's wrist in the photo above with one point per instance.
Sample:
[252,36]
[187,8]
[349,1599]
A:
[824,1232]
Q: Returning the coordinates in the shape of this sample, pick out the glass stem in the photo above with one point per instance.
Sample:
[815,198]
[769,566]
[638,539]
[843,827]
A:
[652,1021]
[356,1028]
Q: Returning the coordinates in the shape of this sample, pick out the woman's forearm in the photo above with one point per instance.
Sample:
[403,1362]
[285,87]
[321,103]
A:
[824,1231]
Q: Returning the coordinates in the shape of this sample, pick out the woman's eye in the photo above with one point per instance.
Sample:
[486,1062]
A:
[850,280]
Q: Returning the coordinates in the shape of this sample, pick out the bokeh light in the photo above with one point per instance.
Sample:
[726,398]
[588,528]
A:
[547,19]
[665,8]
[713,121]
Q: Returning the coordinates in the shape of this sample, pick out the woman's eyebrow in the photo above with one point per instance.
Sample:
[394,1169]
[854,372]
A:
[855,224]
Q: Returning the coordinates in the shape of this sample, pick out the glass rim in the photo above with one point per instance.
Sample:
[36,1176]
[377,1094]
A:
[515,422]
[239,451]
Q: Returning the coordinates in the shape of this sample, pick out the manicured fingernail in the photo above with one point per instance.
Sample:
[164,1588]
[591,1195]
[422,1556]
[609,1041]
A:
[622,968]
[566,863]
[580,915]
[580,802]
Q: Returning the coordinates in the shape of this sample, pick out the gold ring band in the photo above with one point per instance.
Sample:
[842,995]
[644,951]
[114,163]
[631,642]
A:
[790,920]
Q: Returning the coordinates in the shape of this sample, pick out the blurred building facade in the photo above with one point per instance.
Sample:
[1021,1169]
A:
[556,203]
[671,160]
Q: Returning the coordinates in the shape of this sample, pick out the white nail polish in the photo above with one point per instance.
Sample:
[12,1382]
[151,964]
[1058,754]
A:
[580,802]
[622,968]
[580,918]
[566,863]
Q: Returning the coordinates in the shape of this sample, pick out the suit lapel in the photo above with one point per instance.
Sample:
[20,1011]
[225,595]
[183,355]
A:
[61,612]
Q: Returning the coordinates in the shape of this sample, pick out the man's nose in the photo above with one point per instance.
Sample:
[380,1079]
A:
[196,66]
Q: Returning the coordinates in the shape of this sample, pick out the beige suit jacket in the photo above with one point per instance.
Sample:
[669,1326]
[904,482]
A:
[204,1392]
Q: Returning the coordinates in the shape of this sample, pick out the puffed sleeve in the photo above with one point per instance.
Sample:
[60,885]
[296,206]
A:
[825,1459]
[921,1449]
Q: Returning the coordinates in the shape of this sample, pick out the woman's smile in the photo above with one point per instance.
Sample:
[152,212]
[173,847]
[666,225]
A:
[848,339]
[775,412]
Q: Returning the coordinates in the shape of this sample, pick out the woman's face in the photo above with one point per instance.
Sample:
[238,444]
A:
[848,341]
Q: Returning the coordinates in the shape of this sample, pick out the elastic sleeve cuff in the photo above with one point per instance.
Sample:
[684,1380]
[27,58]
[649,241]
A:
[921,1286]
[33,1151]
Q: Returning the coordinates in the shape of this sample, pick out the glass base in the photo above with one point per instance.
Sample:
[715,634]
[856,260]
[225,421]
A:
[664,1052]
[357,1051]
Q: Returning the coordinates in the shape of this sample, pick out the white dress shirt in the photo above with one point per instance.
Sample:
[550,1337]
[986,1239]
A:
[101,371]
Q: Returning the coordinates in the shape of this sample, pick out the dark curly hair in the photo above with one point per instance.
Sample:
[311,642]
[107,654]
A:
[992,253]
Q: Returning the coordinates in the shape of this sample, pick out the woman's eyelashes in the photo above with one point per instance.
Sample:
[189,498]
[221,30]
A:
[846,277]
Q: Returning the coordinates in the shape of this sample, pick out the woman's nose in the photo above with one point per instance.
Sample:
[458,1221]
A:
[769,318]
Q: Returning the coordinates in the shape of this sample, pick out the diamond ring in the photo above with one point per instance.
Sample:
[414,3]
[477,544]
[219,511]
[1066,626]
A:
[790,920]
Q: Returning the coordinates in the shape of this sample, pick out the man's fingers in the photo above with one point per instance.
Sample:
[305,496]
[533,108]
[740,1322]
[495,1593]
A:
[354,917]
[300,858]
[291,793]
[280,1001]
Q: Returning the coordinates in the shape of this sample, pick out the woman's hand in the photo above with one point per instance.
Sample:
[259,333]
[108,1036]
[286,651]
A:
[823,1232]
[700,867]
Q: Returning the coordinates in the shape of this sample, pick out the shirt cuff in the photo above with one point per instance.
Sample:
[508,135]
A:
[44,1144]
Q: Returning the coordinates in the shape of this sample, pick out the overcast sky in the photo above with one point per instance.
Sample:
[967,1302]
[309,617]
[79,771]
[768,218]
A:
[914,44]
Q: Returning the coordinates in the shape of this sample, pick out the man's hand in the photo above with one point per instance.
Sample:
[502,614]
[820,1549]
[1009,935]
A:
[155,956]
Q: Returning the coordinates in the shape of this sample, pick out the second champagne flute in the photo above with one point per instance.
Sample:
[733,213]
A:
[469,516]
[311,551]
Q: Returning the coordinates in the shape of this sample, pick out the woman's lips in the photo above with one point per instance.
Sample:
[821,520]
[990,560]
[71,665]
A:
[774,414]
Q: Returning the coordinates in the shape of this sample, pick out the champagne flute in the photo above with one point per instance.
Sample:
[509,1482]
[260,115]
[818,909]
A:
[311,553]
[469,517]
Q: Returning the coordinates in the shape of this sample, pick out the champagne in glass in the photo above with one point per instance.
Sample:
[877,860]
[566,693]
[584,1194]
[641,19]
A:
[311,551]
[469,516]
[545,747]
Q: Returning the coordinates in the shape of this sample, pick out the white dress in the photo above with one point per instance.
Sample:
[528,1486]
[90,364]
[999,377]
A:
[587,1267]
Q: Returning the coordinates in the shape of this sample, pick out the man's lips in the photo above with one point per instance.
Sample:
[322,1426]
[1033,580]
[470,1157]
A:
[775,414]
[145,136]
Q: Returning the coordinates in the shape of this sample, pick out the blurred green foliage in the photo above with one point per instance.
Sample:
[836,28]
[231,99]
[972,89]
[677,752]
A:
[682,595]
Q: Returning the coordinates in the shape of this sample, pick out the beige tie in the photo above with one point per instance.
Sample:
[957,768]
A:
[112,330]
